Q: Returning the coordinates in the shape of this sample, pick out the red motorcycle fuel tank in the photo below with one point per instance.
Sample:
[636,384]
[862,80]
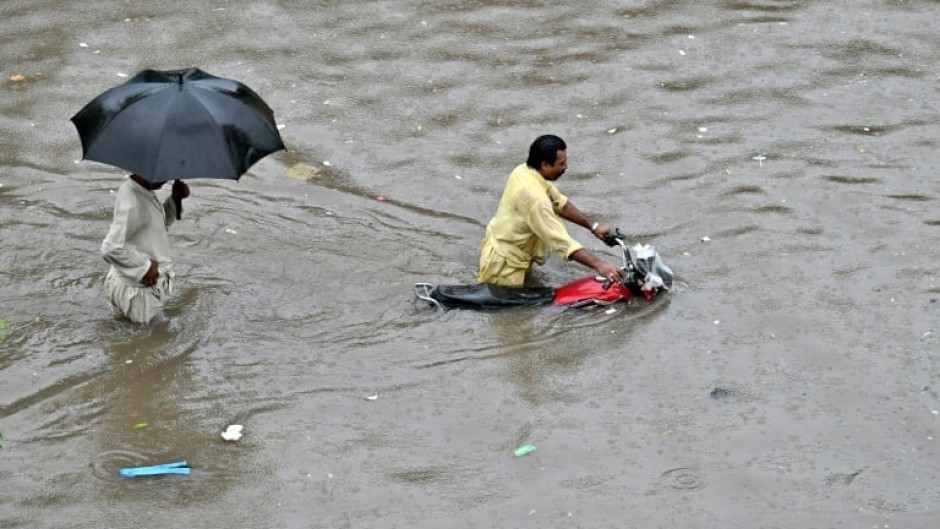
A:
[589,288]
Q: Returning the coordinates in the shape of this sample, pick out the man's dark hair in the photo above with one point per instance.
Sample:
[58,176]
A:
[545,149]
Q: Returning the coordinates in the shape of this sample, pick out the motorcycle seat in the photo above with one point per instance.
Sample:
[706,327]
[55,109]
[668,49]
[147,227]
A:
[489,296]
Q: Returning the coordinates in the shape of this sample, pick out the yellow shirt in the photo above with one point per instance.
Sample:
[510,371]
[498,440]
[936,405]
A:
[526,225]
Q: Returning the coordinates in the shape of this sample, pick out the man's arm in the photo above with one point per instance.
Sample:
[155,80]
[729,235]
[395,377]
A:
[549,228]
[603,269]
[173,205]
[572,214]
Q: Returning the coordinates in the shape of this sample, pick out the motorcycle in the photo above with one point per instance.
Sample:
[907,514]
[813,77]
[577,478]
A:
[644,275]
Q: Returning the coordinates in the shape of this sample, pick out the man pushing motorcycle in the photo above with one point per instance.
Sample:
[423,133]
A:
[528,225]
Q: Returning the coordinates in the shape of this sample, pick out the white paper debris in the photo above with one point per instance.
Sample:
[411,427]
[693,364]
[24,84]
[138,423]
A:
[82,45]
[612,131]
[230,230]
[706,238]
[327,163]
[121,74]
[610,311]
[233,432]
[372,397]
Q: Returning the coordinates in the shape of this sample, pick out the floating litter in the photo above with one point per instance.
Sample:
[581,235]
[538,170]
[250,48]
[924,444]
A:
[706,238]
[233,432]
[372,397]
[302,171]
[524,450]
[720,394]
[178,467]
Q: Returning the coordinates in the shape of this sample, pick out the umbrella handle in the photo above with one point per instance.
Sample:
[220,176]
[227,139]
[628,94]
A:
[179,206]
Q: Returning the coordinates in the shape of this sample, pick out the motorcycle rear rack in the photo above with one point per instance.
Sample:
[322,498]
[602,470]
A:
[423,292]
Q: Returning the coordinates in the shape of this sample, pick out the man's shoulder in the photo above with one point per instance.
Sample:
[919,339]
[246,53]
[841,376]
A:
[131,191]
[526,177]
[522,170]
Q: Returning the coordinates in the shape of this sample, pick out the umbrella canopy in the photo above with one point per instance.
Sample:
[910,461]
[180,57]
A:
[178,124]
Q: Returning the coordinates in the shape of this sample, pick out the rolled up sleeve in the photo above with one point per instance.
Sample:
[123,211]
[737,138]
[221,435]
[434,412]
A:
[549,228]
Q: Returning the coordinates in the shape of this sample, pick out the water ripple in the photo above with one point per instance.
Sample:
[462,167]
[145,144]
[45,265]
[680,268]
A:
[684,479]
[105,465]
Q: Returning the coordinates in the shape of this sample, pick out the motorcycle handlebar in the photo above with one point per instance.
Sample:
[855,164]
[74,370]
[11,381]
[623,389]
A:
[614,239]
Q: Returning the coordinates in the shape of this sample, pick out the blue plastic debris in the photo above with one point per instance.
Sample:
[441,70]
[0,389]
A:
[178,467]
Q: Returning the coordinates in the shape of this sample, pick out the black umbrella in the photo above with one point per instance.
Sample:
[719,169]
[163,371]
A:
[178,124]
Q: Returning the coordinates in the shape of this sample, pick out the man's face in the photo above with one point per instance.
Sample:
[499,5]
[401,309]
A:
[552,172]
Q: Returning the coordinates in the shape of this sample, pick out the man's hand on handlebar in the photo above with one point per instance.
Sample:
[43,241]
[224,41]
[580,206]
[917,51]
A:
[610,238]
[602,231]
[609,272]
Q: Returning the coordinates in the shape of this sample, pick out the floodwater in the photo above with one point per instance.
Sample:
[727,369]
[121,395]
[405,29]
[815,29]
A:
[781,155]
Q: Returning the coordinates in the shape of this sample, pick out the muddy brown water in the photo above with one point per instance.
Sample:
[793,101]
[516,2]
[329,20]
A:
[800,138]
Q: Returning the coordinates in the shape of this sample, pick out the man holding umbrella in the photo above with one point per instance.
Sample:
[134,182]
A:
[138,250]
[164,125]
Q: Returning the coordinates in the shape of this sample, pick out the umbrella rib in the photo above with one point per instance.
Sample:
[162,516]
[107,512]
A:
[197,95]
[159,146]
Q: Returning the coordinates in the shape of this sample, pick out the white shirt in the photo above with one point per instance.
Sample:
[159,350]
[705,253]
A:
[138,234]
